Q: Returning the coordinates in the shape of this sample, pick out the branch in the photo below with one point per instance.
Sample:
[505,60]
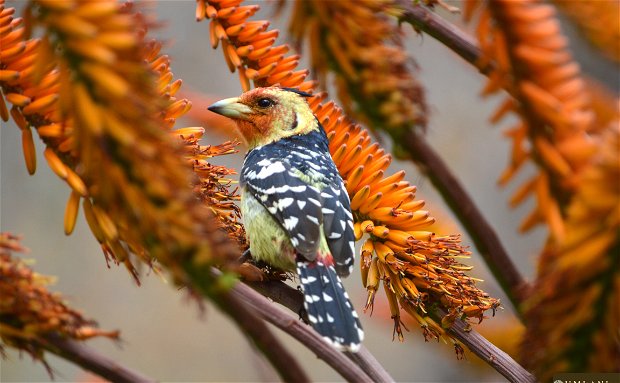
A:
[482,233]
[490,354]
[487,351]
[370,365]
[293,300]
[250,324]
[303,333]
[442,30]
[283,361]
[90,360]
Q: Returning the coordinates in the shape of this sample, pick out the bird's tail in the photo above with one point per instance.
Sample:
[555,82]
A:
[328,306]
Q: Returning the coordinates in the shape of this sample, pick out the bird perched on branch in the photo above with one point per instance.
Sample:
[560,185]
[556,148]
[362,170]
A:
[296,209]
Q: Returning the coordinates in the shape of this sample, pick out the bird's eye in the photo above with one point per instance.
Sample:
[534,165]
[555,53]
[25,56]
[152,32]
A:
[265,102]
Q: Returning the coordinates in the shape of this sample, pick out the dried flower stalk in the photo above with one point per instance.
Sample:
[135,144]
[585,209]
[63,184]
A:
[29,312]
[418,268]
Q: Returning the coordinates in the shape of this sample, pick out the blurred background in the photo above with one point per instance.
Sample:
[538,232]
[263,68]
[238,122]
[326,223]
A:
[164,334]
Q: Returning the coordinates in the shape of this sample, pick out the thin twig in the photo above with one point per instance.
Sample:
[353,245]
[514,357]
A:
[303,333]
[442,30]
[248,321]
[482,233]
[487,351]
[370,365]
[90,360]
[293,300]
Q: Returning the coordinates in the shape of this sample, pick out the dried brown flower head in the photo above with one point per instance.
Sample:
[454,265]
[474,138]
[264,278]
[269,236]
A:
[29,312]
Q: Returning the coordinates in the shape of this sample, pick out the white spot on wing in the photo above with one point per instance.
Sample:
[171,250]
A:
[313,219]
[285,202]
[271,169]
[290,223]
[299,188]
[317,203]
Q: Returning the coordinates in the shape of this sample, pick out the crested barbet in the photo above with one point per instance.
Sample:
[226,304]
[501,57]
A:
[295,207]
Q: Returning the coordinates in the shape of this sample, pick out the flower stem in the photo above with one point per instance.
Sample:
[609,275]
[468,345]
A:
[437,27]
[90,360]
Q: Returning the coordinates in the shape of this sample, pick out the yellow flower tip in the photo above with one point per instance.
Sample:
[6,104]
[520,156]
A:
[97,10]
[92,220]
[19,118]
[4,112]
[71,212]
[367,226]
[73,25]
[106,79]
[29,150]
[51,130]
[88,113]
[92,50]
[189,133]
[18,99]
[76,182]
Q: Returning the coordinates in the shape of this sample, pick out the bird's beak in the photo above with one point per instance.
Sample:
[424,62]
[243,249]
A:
[231,107]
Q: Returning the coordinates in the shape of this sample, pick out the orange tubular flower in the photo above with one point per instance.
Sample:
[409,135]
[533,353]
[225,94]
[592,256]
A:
[418,268]
[598,21]
[29,312]
[533,64]
[581,277]
[119,103]
[578,269]
[363,46]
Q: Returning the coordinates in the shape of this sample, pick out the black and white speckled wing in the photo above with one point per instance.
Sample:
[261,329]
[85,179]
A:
[328,306]
[291,201]
[338,225]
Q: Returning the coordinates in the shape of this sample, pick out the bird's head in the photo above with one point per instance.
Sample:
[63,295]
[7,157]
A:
[265,115]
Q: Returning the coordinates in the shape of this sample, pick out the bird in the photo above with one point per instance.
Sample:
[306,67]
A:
[294,204]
